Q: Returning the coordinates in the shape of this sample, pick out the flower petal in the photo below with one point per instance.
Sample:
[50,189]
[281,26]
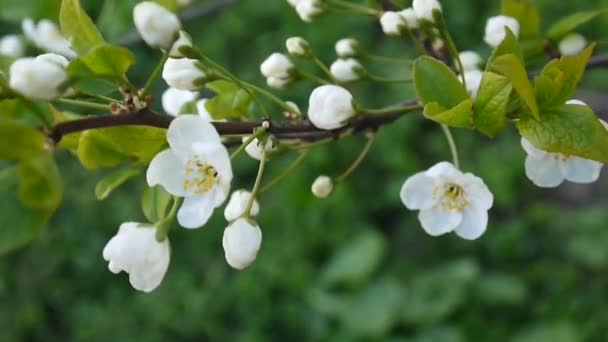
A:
[417,191]
[532,150]
[186,130]
[477,191]
[217,156]
[579,170]
[438,222]
[443,170]
[544,172]
[167,169]
[474,223]
[196,210]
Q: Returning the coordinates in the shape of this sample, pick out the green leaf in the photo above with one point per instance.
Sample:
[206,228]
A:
[231,101]
[109,147]
[526,14]
[154,203]
[511,67]
[570,23]
[104,61]
[570,130]
[355,262]
[20,141]
[78,27]
[510,45]
[490,108]
[115,179]
[460,115]
[559,79]
[436,82]
[171,5]
[40,183]
[18,223]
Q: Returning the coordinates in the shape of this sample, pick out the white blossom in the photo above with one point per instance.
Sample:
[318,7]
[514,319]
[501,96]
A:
[411,20]
[472,79]
[242,240]
[449,200]
[496,29]
[183,73]
[196,166]
[174,99]
[254,149]
[550,169]
[392,23]
[46,36]
[237,205]
[157,25]
[135,250]
[308,9]
[40,78]
[347,47]
[322,187]
[572,44]
[12,46]
[330,107]
[297,46]
[424,9]
[277,65]
[470,60]
[183,40]
[346,70]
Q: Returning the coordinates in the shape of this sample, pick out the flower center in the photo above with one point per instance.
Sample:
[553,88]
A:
[453,198]
[200,176]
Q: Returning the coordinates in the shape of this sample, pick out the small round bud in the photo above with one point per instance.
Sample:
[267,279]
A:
[182,41]
[496,29]
[40,78]
[277,65]
[12,46]
[411,20]
[297,47]
[308,9]
[470,60]
[237,205]
[330,107]
[392,23]
[347,47]
[183,73]
[173,100]
[424,9]
[473,81]
[347,70]
[322,187]
[157,26]
[242,240]
[572,44]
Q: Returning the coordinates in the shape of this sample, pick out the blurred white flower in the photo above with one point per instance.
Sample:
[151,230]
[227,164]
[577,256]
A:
[496,29]
[473,81]
[572,44]
[184,73]
[278,83]
[40,78]
[183,40]
[254,149]
[277,65]
[157,25]
[322,187]
[237,205]
[202,110]
[470,60]
[297,46]
[46,36]
[308,9]
[135,250]
[347,70]
[242,240]
[392,23]
[449,200]
[12,46]
[174,99]
[330,107]
[347,47]
[411,20]
[196,166]
[424,9]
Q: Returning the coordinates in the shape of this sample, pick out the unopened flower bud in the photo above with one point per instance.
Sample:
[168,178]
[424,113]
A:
[157,26]
[411,20]
[347,70]
[184,73]
[173,100]
[255,148]
[470,60]
[298,47]
[330,107]
[424,9]
[322,187]
[392,23]
[277,65]
[347,47]
[40,78]
[572,44]
[496,29]
[12,46]
[308,9]
[242,240]
[294,113]
[237,205]
[182,41]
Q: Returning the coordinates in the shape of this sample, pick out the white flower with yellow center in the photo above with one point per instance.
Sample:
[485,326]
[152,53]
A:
[196,167]
[449,200]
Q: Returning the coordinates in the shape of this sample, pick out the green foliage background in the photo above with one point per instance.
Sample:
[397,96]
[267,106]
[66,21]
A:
[356,266]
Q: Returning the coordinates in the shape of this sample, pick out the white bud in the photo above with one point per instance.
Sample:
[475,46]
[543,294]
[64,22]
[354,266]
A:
[277,82]
[183,73]
[297,46]
[182,41]
[322,187]
[496,29]
[174,99]
[237,205]
[411,20]
[12,46]
[157,26]
[46,36]
[470,60]
[39,78]
[242,240]
[424,9]
[277,65]
[572,44]
[473,81]
[295,110]
[347,47]
[330,107]
[254,149]
[134,249]
[347,70]
[392,23]
[308,9]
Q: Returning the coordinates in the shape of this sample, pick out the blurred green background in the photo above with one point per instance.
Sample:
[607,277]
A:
[356,266]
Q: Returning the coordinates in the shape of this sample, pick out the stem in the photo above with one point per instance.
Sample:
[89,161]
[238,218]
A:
[355,165]
[270,96]
[297,162]
[256,185]
[383,59]
[324,67]
[452,143]
[246,143]
[381,79]
[312,77]
[357,8]
[84,104]
[155,74]
[394,110]
[452,49]
[415,41]
[163,227]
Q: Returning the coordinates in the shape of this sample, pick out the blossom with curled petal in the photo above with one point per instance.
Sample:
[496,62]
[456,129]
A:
[196,166]
[449,201]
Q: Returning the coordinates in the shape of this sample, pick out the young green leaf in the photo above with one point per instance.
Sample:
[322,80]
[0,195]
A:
[115,179]
[460,115]
[104,61]
[570,130]
[231,101]
[154,203]
[510,45]
[436,82]
[511,67]
[570,23]
[78,27]
[525,13]
[490,109]
[40,183]
[20,141]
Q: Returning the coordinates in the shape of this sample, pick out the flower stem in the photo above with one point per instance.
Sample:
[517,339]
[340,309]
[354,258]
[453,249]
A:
[357,8]
[84,104]
[355,165]
[324,67]
[251,138]
[256,185]
[452,48]
[452,143]
[393,110]
[270,96]
[163,227]
[415,41]
[312,77]
[297,162]
[383,59]
[154,76]
[381,79]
